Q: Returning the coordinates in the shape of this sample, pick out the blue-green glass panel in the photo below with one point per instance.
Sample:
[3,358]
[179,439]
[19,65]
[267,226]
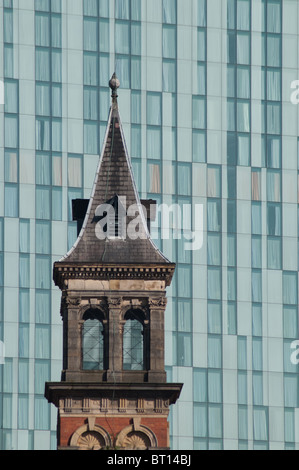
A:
[200,421]
[56,33]
[90,7]
[260,424]
[43,306]
[243,14]
[169,42]
[42,30]
[290,288]
[184,349]
[24,305]
[200,387]
[123,70]
[243,422]
[11,96]
[122,9]
[11,200]
[215,351]
[8,26]
[242,388]
[90,34]
[42,272]
[42,341]
[104,35]
[41,413]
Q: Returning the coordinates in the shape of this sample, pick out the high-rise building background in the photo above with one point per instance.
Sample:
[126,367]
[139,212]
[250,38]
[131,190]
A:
[205,104]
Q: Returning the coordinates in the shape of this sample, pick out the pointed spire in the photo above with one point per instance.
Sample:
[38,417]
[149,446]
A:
[115,181]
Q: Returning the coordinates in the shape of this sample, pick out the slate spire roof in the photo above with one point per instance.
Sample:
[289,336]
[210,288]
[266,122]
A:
[114,182]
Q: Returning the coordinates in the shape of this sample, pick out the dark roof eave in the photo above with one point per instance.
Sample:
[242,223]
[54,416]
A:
[64,270]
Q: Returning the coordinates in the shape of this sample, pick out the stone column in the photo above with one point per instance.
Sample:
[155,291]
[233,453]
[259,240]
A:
[74,340]
[115,334]
[156,347]
[73,333]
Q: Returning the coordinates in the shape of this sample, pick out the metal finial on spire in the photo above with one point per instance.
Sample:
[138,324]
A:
[114,85]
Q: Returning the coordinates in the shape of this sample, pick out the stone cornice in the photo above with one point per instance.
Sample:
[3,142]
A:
[65,271]
[56,391]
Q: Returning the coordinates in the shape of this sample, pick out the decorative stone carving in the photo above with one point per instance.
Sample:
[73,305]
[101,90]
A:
[68,405]
[63,273]
[160,302]
[159,405]
[140,405]
[91,437]
[90,441]
[114,302]
[136,437]
[135,441]
[104,405]
[73,301]
[86,405]
[122,407]
[130,406]
[68,303]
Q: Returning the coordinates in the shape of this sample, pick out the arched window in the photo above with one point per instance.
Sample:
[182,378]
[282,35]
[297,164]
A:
[133,341]
[93,341]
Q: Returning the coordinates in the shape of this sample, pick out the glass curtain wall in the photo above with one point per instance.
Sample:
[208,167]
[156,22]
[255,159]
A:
[232,309]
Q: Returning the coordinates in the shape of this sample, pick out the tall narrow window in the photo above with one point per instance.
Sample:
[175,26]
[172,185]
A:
[93,341]
[133,345]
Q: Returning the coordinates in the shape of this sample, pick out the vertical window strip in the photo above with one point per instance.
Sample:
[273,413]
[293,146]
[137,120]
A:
[239,81]
[272,84]
[199,99]
[11,119]
[48,50]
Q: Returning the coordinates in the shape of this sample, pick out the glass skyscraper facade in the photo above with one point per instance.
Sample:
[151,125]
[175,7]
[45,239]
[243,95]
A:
[206,110]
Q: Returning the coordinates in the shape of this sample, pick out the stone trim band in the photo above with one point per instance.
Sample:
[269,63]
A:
[64,272]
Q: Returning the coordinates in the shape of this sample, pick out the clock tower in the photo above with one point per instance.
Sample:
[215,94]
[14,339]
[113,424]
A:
[113,392]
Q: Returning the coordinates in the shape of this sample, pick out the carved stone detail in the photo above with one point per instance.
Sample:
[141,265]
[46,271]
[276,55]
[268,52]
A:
[104,405]
[91,437]
[134,407]
[68,405]
[86,405]
[73,301]
[122,407]
[135,441]
[159,405]
[140,405]
[90,441]
[136,437]
[115,300]
[69,303]
[64,273]
[159,302]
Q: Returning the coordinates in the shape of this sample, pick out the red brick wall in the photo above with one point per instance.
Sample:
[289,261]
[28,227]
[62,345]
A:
[69,425]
